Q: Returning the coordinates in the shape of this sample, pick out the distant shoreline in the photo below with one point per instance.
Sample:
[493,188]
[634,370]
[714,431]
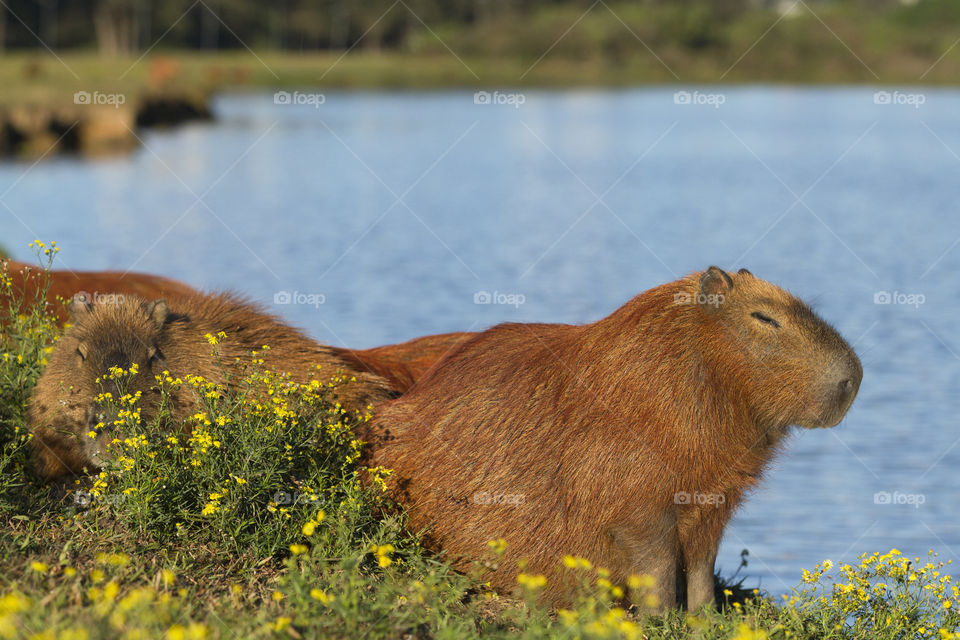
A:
[81,102]
[41,77]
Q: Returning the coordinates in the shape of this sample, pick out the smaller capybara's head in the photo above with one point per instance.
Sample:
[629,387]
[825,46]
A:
[797,368]
[103,336]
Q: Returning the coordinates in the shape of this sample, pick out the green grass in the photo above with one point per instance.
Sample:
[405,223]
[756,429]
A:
[613,44]
[255,523]
[616,44]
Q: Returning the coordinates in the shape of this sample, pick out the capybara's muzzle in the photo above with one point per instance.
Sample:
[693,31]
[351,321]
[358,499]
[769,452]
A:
[842,384]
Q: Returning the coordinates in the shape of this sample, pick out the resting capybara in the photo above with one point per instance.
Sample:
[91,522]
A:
[400,364]
[157,337]
[628,441]
[64,285]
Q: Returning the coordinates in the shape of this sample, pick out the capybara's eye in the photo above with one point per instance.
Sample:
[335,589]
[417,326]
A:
[765,319]
[82,352]
[154,354]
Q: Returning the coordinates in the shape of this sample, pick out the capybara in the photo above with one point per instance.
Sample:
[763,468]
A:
[400,364]
[405,363]
[64,285]
[628,441]
[157,337]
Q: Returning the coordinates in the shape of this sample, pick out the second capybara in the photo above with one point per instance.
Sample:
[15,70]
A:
[28,280]
[159,337]
[629,441]
[401,364]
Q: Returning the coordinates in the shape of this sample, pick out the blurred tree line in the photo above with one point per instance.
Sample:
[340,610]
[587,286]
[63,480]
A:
[123,27]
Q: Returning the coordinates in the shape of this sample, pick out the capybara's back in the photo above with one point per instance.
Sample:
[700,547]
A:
[405,363]
[158,337]
[61,285]
[628,441]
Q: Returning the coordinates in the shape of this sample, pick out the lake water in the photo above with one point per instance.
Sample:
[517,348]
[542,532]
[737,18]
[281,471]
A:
[396,209]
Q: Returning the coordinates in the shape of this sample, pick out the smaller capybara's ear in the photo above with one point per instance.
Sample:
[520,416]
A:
[158,312]
[715,281]
[79,305]
[744,272]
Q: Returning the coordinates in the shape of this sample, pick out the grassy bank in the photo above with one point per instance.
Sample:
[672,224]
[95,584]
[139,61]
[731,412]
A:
[75,100]
[38,79]
[257,522]
[608,44]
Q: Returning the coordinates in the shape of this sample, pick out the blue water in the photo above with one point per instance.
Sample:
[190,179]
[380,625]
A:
[397,208]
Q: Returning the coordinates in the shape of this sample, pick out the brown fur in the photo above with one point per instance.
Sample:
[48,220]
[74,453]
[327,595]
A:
[28,279]
[157,338]
[585,439]
[401,364]
[405,363]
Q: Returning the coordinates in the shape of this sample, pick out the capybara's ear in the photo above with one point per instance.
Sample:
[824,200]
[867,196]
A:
[744,272]
[158,312]
[715,281]
[79,305]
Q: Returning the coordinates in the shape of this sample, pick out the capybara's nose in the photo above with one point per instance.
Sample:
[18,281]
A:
[846,388]
[850,383]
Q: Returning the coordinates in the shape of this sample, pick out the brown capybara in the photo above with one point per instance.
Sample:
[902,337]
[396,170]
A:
[400,364]
[628,441]
[405,363]
[64,285]
[157,337]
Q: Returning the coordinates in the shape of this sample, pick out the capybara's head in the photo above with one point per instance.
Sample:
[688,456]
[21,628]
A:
[103,336]
[796,367]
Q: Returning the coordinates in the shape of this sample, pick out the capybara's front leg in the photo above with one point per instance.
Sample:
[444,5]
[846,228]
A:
[700,581]
[56,453]
[701,528]
[652,548]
